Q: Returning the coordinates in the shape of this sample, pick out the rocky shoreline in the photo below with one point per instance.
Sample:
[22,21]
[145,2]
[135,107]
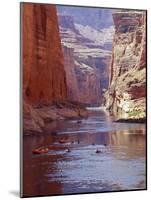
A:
[36,118]
[141,121]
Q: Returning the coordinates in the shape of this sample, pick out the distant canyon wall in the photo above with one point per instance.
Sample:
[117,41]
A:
[126,96]
[97,18]
[86,63]
[72,86]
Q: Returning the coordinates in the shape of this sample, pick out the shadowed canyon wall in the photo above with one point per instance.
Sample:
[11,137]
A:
[44,78]
[42,62]
[42,55]
[72,87]
[126,97]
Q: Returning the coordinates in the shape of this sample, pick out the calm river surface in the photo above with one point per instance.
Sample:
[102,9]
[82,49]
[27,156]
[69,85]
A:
[121,165]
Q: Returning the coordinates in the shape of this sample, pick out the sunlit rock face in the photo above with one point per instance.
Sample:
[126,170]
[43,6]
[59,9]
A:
[42,55]
[101,37]
[91,60]
[126,97]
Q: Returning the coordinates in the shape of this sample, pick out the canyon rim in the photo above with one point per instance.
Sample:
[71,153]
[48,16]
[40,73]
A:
[83,98]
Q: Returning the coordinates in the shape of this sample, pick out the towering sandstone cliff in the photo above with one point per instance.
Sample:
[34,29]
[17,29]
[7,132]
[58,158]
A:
[126,97]
[44,77]
[42,56]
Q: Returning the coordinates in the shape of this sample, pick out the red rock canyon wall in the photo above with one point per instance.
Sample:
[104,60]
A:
[42,55]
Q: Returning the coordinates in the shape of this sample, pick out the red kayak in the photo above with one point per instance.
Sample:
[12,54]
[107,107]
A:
[40,151]
[63,141]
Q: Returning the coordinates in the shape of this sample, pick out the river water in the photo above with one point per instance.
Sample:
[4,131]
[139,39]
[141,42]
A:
[120,165]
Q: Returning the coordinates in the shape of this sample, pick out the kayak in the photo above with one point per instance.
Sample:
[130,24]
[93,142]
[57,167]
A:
[40,151]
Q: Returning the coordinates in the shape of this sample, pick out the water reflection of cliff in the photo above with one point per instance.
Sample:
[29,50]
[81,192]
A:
[122,146]
[35,168]
[131,142]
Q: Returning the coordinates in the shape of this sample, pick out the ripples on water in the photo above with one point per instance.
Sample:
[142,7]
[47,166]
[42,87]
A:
[119,166]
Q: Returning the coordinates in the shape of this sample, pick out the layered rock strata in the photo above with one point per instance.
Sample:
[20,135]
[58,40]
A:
[126,97]
[90,63]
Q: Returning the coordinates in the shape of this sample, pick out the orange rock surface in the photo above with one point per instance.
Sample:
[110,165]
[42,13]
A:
[43,66]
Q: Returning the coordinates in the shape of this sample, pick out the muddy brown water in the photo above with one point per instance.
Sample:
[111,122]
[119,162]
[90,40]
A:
[120,165]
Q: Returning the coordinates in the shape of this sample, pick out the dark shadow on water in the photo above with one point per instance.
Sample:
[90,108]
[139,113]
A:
[14,193]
